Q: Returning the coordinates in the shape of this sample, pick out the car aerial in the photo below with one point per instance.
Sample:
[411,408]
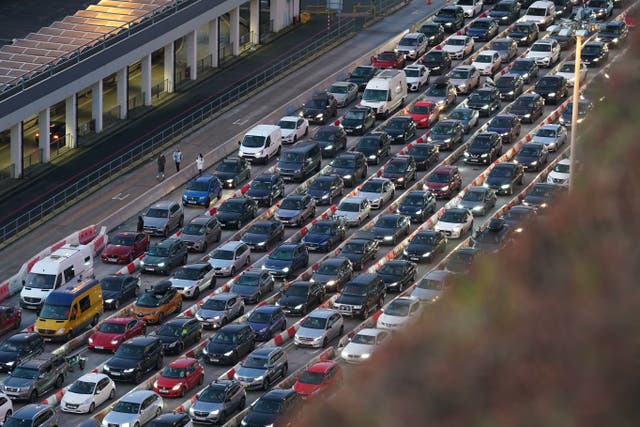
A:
[602,9]
[400,129]
[157,302]
[446,134]
[300,297]
[352,167]
[479,200]
[201,231]
[584,107]
[401,170]
[319,379]
[319,328]
[542,195]
[173,419]
[218,401]
[437,61]
[459,47]
[232,171]
[163,218]
[455,222]
[374,147]
[220,309]
[295,210]
[125,246]
[397,275]
[425,245]
[510,86]
[560,174]
[333,273]
[486,100]
[423,113]
[389,228]
[230,344]
[567,70]
[266,321]
[471,8]
[88,392]
[613,33]
[286,260]
[518,216]
[444,181]
[178,334]
[417,205]
[493,238]
[236,211]
[201,190]
[359,251]
[263,235]
[412,45]
[354,209]
[178,377]
[331,139]
[190,279]
[252,285]
[388,59]
[528,107]
[461,260]
[417,76]
[28,415]
[265,189]
[553,88]
[344,92]
[482,29]
[227,259]
[524,33]
[377,191]
[546,52]
[443,94]
[424,155]
[163,256]
[507,125]
[526,68]
[274,408]
[504,177]
[450,17]
[114,331]
[135,409]
[595,53]
[487,62]
[18,348]
[399,313]
[32,378]
[134,358]
[467,116]
[293,128]
[10,318]
[506,47]
[484,148]
[362,74]
[464,78]
[325,234]
[431,286]
[433,31]
[320,108]
[358,120]
[532,156]
[325,189]
[505,12]
[364,344]
[553,136]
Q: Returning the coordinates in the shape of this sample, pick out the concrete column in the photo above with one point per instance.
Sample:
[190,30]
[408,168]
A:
[71,121]
[234,29]
[278,9]
[16,149]
[44,143]
[169,66]
[254,21]
[296,9]
[145,68]
[121,92]
[191,44]
[96,105]
[213,42]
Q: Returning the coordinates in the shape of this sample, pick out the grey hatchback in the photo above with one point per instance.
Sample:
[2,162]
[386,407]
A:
[262,367]
[162,218]
[218,401]
[35,415]
[163,256]
[201,231]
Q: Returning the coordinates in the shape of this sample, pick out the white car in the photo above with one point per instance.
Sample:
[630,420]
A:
[6,407]
[560,174]
[377,191]
[552,136]
[417,76]
[364,344]
[567,71]
[459,46]
[471,8]
[464,78]
[354,209]
[400,312]
[293,128]
[412,46]
[487,62]
[227,259]
[87,393]
[455,222]
[344,92]
[136,408]
[190,279]
[546,52]
[319,328]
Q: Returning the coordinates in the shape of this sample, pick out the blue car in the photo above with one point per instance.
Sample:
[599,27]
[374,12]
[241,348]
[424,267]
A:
[202,190]
[482,29]
[325,234]
[417,205]
[266,321]
[286,259]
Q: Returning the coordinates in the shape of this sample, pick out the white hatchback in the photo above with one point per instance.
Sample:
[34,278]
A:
[487,62]
[88,392]
[354,209]
[364,343]
[459,47]
[293,128]
[400,312]
[560,174]
[6,407]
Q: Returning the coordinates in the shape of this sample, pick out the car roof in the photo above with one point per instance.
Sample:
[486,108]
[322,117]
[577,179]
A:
[231,246]
[445,169]
[505,165]
[400,118]
[29,411]
[236,200]
[171,417]
[265,177]
[322,367]
[489,51]
[290,118]
[353,199]
[289,246]
[372,332]
[224,296]
[198,266]
[183,362]
[437,274]
[329,128]
[141,340]
[551,126]
[478,188]
[163,204]
[322,313]
[137,396]
[296,196]
[267,308]
[232,160]
[484,20]
[301,284]
[265,351]
[126,233]
[234,327]
[461,36]
[118,320]
[178,321]
[464,67]
[414,35]
[253,272]
[22,336]
[505,116]
[167,243]
[334,261]
[398,262]
[200,219]
[278,394]
[504,39]
[92,377]
[204,178]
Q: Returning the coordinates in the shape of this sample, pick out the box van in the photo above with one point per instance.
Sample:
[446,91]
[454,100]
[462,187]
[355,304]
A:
[261,143]
[70,309]
[385,92]
[54,271]
[541,12]
[299,163]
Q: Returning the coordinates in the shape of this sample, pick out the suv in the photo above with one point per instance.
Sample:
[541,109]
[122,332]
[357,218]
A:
[32,378]
[252,285]
[201,231]
[331,140]
[218,401]
[230,344]
[412,45]
[176,334]
[361,295]
[161,257]
[320,108]
[552,88]
[266,188]
[266,321]
[220,309]
[300,297]
[202,190]
[236,211]
[352,167]
[286,260]
[276,407]
[36,415]
[486,100]
[162,218]
[18,348]
[451,18]
[233,171]
[134,358]
[262,367]
[493,238]
[444,182]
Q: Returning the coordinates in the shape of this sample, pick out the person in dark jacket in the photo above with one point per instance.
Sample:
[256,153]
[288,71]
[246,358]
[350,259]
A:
[161,162]
[140,224]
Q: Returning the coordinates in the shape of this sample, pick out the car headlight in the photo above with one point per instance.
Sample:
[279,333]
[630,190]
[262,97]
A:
[286,269]
[114,342]
[505,186]
[484,155]
[485,107]
[372,157]
[161,264]
[90,340]
[419,212]
[106,368]
[331,282]
[109,301]
[445,188]
[329,147]
[347,177]
[462,87]
[596,59]
[298,307]
[477,208]
[60,331]
[466,154]
[142,262]
[359,127]
[176,387]
[205,351]
[199,318]
[10,363]
[426,255]
[128,371]
[263,267]
[365,356]
[325,196]
[528,115]
[155,384]
[552,94]
[319,115]
[535,162]
[229,353]
[388,238]
[229,181]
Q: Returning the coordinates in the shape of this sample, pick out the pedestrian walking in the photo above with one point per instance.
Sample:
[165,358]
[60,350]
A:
[200,163]
[177,158]
[161,162]
[140,224]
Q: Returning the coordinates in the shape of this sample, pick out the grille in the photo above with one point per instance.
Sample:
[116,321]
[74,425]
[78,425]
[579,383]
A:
[447,232]
[345,307]
[71,405]
[200,414]
[305,339]
[33,300]
[46,331]
[13,389]
[558,181]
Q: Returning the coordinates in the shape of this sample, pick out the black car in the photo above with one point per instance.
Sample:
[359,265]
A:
[518,216]
[331,140]
[526,68]
[18,348]
[542,195]
[507,125]
[532,156]
[417,205]
[236,211]
[493,238]
[484,149]
[361,295]
[528,107]
[118,288]
[277,407]
[446,134]
[425,155]
[325,189]
[559,34]
[450,17]
[333,273]
[362,74]
[400,129]
[425,245]
[134,358]
[461,260]
[320,108]
[359,251]
[397,275]
[266,188]
[505,12]
[230,344]
[552,88]
[613,33]
[437,61]
[594,54]
[178,334]
[525,33]
[504,177]
[374,147]
[486,100]
[232,171]
[173,419]
[263,235]
[390,228]
[252,285]
[483,29]
[401,170]
[301,297]
[324,235]
[563,8]
[510,86]
[433,32]
[352,167]
[358,120]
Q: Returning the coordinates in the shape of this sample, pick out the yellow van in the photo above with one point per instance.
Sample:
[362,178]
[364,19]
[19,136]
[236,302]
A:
[69,310]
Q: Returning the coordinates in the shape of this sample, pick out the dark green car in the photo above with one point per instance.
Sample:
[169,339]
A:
[163,256]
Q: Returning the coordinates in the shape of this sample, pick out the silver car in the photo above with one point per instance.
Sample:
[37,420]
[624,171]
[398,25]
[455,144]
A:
[431,286]
[136,408]
[262,367]
[552,136]
[162,218]
[294,210]
[464,78]
[192,279]
[354,209]
[377,191]
[344,92]
[319,328]
[200,232]
[220,309]
[229,258]
[218,401]
[479,200]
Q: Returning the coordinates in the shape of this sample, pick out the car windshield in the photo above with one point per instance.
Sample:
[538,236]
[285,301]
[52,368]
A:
[255,362]
[424,239]
[82,387]
[355,115]
[353,248]
[542,191]
[228,167]
[541,47]
[321,184]
[326,268]
[287,124]
[438,177]
[424,109]
[480,24]
[484,59]
[128,351]
[398,308]
[372,186]
[386,56]
[460,259]
[292,204]
[198,186]
[313,378]
[387,222]
[325,135]
[111,328]
[374,95]
[314,322]
[488,236]
[501,172]
[524,103]
[158,251]
[157,213]
[226,338]
[364,339]
[349,207]
[455,41]
[54,312]
[480,97]
[547,82]
[187,273]
[260,185]
[529,151]
[561,168]
[321,229]
[481,141]
[169,372]
[354,290]
[297,291]
[361,72]
[417,200]
[193,229]
[505,82]
[429,29]
[212,394]
[501,45]
[567,68]
[342,162]
[408,41]
[412,72]
[282,254]
[501,7]
[612,29]
[536,11]
[460,74]
[460,114]
[149,300]
[10,347]
[431,284]
[18,422]
[316,103]
[26,373]
[521,66]
[368,144]
[121,240]
[260,229]
[127,407]
[222,254]
[111,283]
[591,50]
[473,196]
[546,133]
[446,13]
[40,281]
[232,207]
[397,167]
[267,406]
[457,217]
[500,122]
[338,89]
[435,90]
[171,330]
[443,129]
[432,57]
[288,156]
[583,108]
[247,280]
[259,317]
[419,150]
[214,304]
[253,141]
[391,269]
[518,215]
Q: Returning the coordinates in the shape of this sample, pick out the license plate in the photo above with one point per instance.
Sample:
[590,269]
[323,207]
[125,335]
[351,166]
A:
[99,347]
[115,374]
[148,268]
[215,360]
[113,258]
[414,258]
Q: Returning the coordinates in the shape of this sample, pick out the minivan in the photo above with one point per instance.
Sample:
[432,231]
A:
[299,163]
[261,143]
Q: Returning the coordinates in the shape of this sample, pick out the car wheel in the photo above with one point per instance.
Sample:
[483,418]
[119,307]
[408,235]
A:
[243,403]
[284,326]
[325,341]
[182,391]
[266,383]
[248,262]
[33,396]
[137,378]
[341,330]
[158,412]
[365,312]
[196,293]
[205,246]
[112,394]
[184,259]
[207,202]
[285,369]
[165,232]
[116,304]
[17,324]
[160,317]
[92,407]
[233,271]
[238,224]
[59,381]
[7,415]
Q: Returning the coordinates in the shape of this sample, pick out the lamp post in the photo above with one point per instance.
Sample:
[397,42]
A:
[575,107]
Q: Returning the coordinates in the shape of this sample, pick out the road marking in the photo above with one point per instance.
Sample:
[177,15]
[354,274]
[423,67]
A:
[240,122]
[120,196]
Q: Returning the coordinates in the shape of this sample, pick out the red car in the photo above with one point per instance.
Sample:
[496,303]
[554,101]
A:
[10,318]
[125,246]
[113,332]
[424,113]
[178,377]
[444,182]
[318,378]
[388,59]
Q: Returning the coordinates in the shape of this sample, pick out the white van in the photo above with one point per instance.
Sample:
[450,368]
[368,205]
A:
[541,12]
[52,272]
[385,92]
[261,143]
